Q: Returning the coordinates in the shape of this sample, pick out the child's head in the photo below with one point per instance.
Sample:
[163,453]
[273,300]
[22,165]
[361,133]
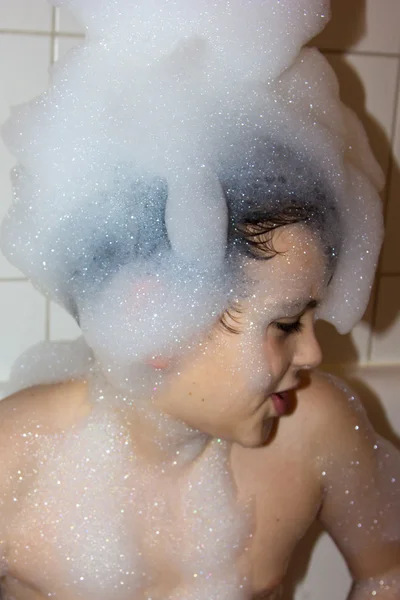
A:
[179,164]
[272,190]
[224,383]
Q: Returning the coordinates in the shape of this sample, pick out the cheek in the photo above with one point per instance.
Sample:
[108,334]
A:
[278,351]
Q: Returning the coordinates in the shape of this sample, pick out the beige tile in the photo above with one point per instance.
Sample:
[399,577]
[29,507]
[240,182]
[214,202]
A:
[22,321]
[368,86]
[363,25]
[24,64]
[349,349]
[66,23]
[391,249]
[386,337]
[27,15]
[326,575]
[62,325]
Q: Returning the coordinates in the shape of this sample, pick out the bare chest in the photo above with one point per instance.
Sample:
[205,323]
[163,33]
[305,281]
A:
[90,523]
[284,494]
[91,520]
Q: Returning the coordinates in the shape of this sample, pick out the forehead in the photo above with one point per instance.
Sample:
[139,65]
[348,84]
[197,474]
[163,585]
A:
[298,270]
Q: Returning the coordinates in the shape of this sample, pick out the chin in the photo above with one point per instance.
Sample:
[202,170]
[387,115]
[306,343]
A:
[256,437]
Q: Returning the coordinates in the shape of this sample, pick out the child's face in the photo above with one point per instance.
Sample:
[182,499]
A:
[224,385]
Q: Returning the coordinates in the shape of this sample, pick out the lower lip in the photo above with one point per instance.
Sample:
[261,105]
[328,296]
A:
[281,403]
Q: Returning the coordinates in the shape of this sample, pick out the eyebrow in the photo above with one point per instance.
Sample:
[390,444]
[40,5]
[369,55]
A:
[300,305]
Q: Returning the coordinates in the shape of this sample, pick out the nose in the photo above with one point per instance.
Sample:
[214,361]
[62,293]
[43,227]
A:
[308,353]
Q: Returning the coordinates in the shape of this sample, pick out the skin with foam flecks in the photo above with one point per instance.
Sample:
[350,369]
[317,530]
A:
[99,490]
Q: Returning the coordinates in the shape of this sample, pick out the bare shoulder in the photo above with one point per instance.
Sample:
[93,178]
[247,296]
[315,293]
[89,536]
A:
[25,417]
[327,394]
[53,408]
[331,412]
[30,414]
[325,417]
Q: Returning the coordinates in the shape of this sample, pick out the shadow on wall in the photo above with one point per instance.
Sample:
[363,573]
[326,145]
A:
[348,24]
[300,561]
[375,411]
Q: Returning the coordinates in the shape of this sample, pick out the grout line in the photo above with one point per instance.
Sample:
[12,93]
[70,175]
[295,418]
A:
[354,368]
[390,167]
[51,32]
[53,49]
[374,315]
[47,321]
[25,32]
[13,279]
[72,34]
[66,34]
[349,51]
[56,20]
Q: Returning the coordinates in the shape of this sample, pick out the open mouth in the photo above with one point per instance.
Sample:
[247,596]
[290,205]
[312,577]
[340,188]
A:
[281,403]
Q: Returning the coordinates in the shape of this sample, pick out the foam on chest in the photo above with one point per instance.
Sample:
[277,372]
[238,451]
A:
[96,521]
[79,511]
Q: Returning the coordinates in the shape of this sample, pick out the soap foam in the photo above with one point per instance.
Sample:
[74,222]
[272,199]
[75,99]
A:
[168,120]
[125,162]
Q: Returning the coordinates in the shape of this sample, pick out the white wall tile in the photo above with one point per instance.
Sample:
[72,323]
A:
[6,162]
[24,64]
[66,23]
[32,15]
[62,45]
[391,249]
[368,86]
[62,325]
[363,25]
[22,321]
[327,576]
[386,338]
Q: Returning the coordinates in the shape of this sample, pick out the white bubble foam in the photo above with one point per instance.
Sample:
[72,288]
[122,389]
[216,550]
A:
[121,162]
[173,118]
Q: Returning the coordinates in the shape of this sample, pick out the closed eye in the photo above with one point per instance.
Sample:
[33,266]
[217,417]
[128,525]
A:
[289,328]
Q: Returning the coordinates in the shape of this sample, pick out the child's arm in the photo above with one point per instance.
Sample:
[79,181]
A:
[360,475]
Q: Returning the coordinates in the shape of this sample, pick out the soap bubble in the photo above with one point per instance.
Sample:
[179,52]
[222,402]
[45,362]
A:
[171,123]
[130,166]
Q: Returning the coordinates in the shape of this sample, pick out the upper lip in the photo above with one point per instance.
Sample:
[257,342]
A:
[285,390]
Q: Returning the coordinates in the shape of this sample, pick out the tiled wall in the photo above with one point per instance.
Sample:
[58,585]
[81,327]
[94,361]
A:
[362,43]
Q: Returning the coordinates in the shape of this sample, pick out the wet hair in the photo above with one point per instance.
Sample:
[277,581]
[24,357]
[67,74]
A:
[274,187]
[254,236]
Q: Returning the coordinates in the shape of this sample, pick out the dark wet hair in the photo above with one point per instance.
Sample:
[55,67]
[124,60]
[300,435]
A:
[276,187]
[254,236]
[272,188]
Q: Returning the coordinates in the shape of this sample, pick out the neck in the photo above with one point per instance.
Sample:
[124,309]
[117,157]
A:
[175,471]
[156,436]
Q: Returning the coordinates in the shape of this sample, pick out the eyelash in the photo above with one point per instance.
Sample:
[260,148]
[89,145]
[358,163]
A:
[288,328]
